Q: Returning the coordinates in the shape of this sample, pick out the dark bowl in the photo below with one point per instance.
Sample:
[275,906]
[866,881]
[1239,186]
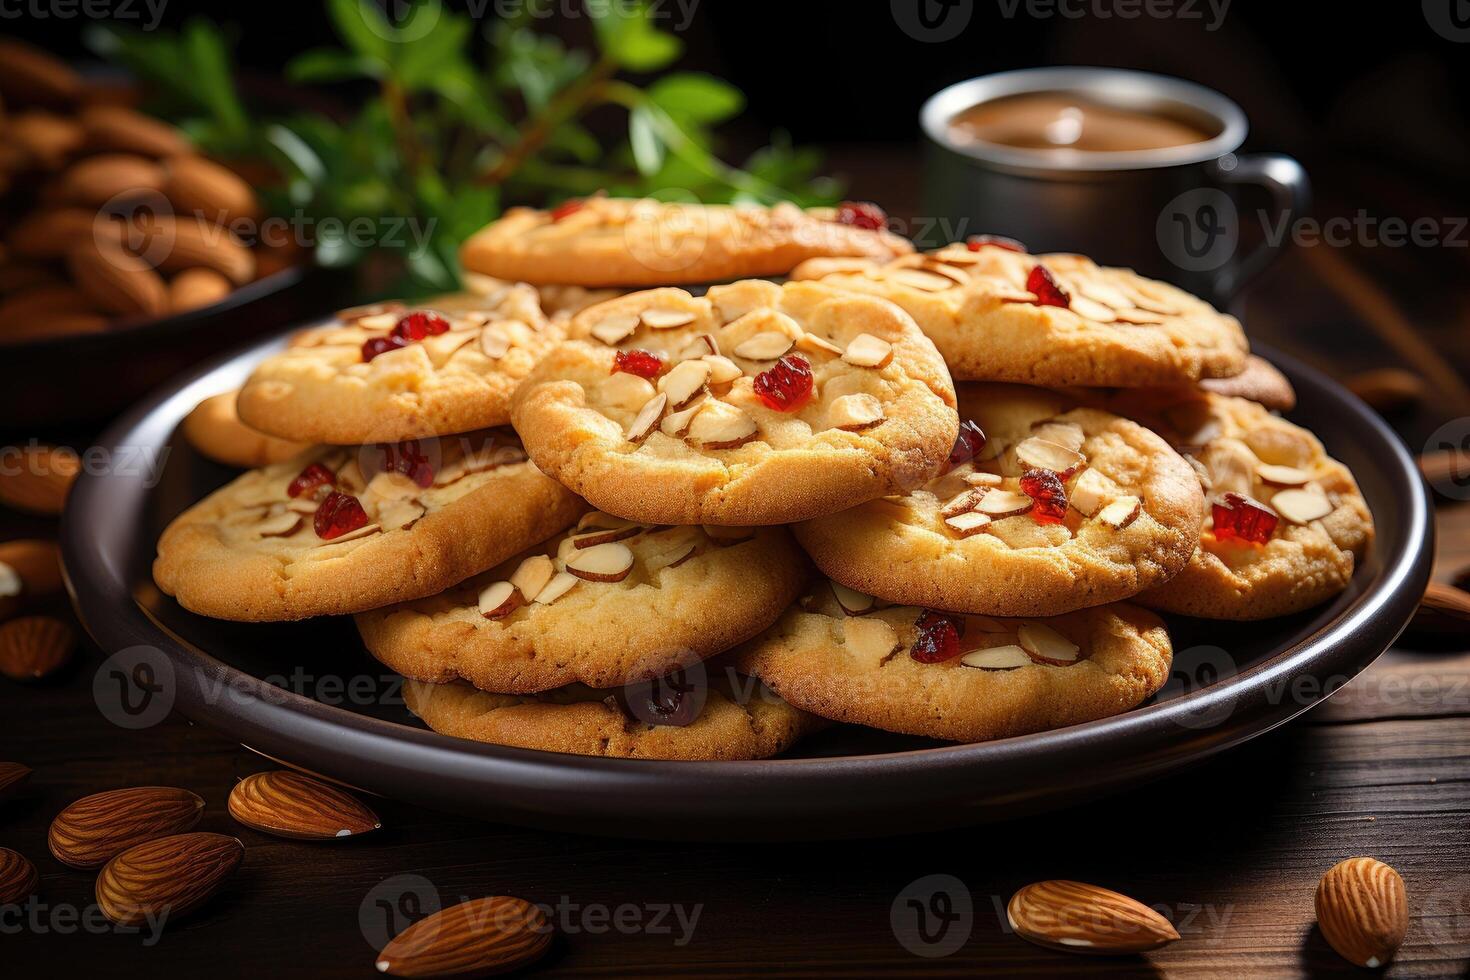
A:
[307,694]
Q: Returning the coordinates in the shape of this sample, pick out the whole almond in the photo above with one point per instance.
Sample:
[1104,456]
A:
[12,774]
[104,179]
[33,647]
[48,140]
[1082,918]
[30,570]
[289,804]
[96,828]
[194,289]
[29,76]
[116,280]
[479,937]
[39,482]
[175,244]
[197,187]
[18,878]
[1363,910]
[1445,600]
[49,233]
[120,129]
[168,876]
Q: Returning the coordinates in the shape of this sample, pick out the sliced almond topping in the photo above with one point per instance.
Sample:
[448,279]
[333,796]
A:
[531,576]
[647,418]
[1004,503]
[1038,452]
[868,638]
[499,599]
[565,550]
[962,503]
[276,526]
[1121,512]
[675,424]
[561,583]
[596,520]
[1283,476]
[722,370]
[601,535]
[1302,506]
[602,563]
[766,346]
[1091,492]
[1138,317]
[868,351]
[1068,434]
[968,523]
[1092,310]
[361,532]
[625,391]
[721,426]
[853,603]
[979,479]
[399,514]
[494,341]
[1045,645]
[959,276]
[377,321]
[613,330]
[660,319]
[1101,292]
[391,486]
[811,342]
[303,505]
[700,346]
[928,282]
[685,380]
[1008,657]
[854,412]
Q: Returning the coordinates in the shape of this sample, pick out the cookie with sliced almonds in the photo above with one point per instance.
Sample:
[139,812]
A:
[389,372]
[609,242]
[344,529]
[558,300]
[1046,507]
[998,314]
[1284,524]
[852,658]
[607,602]
[755,404]
[707,713]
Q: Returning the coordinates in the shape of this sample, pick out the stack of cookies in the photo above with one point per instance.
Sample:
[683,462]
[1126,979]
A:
[724,516]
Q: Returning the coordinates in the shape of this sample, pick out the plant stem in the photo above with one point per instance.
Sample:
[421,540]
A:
[565,105]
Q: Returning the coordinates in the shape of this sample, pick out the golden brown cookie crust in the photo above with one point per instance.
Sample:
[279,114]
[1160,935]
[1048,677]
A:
[214,429]
[614,242]
[320,390]
[1260,382]
[859,669]
[687,597]
[1303,564]
[575,420]
[216,560]
[1120,330]
[902,550]
[739,721]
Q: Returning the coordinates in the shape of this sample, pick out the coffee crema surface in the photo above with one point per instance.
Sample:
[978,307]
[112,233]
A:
[1066,121]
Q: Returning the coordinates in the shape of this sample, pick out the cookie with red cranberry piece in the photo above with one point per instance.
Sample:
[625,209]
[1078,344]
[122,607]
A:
[755,404]
[391,372]
[342,530]
[997,314]
[214,429]
[606,603]
[848,657]
[725,717]
[613,242]
[1046,507]
[1284,524]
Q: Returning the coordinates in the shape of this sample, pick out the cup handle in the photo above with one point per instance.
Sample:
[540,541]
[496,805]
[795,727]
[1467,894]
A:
[1291,195]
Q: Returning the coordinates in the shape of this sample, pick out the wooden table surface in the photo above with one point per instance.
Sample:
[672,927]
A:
[1231,851]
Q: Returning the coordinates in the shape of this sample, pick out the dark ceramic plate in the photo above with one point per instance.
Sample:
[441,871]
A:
[306,694]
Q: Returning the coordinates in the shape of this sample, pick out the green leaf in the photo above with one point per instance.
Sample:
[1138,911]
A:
[212,78]
[331,65]
[697,97]
[362,26]
[431,40]
[626,34]
[643,137]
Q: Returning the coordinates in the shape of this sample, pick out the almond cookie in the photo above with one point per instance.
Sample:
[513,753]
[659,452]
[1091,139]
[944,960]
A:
[1284,523]
[387,372]
[607,603]
[214,429]
[1261,382]
[1046,508]
[963,678]
[731,717]
[755,404]
[558,301]
[343,530]
[997,314]
[604,241]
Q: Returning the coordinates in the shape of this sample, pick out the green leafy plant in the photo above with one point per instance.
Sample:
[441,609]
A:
[465,118]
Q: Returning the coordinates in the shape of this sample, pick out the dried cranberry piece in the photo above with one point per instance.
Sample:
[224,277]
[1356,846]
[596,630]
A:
[409,459]
[1048,291]
[420,324]
[338,514]
[1045,488]
[1244,518]
[567,208]
[862,214]
[785,385]
[315,475]
[968,444]
[380,345]
[644,363]
[976,242]
[937,638]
